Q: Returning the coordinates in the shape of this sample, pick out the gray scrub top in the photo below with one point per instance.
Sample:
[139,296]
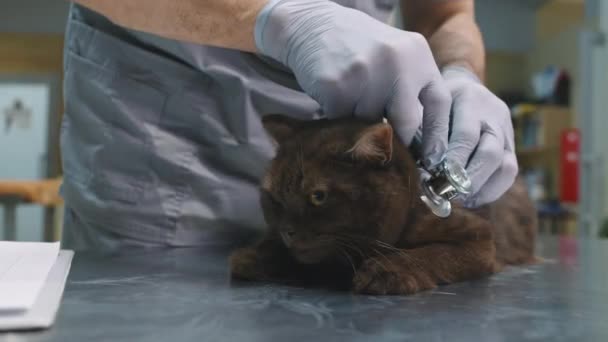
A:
[162,142]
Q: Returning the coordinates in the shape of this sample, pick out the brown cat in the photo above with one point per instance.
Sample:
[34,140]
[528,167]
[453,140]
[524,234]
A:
[342,203]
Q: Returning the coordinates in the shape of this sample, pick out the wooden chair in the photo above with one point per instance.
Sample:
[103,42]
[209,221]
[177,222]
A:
[41,192]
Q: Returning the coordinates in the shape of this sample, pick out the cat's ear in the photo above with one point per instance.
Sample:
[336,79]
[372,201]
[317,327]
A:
[280,127]
[374,144]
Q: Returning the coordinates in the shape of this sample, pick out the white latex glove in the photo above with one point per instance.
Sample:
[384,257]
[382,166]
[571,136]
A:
[354,65]
[482,137]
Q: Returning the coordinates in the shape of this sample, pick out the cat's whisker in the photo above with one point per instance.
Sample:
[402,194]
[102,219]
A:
[350,260]
[382,255]
[353,236]
[355,239]
[301,161]
[381,264]
[352,247]
[363,255]
[395,250]
[399,252]
[386,245]
[350,241]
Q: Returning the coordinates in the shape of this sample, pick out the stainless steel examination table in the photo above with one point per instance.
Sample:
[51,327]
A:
[185,295]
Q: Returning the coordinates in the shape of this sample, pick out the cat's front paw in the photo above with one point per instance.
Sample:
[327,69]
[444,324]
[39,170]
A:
[380,277]
[247,264]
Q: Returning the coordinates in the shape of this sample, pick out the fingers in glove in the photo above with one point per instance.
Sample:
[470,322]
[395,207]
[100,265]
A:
[497,184]
[466,133]
[487,158]
[437,102]
[404,114]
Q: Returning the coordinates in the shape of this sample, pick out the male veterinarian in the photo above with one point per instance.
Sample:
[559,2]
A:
[162,141]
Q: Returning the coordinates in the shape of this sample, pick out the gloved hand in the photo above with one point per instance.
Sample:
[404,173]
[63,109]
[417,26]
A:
[482,137]
[354,65]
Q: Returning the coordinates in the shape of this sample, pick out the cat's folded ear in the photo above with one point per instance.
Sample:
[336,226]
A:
[374,144]
[280,127]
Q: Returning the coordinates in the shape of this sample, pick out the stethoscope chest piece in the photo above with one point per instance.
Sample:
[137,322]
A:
[447,181]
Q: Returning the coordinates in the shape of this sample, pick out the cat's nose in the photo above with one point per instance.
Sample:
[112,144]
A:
[287,236]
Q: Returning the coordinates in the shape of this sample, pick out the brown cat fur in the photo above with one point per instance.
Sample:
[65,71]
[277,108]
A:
[342,203]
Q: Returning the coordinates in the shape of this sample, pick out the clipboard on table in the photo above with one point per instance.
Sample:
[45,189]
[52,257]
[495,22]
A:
[28,310]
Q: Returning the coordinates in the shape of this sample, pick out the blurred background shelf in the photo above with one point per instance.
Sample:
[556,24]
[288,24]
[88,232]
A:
[539,131]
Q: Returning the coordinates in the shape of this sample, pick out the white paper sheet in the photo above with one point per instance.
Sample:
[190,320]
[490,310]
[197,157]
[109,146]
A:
[43,313]
[24,268]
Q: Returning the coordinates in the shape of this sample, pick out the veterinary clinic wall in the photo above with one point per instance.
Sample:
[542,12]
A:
[33,16]
[531,36]
[558,27]
[521,36]
[594,119]
[507,24]
[31,54]
[31,45]
[27,53]
[556,41]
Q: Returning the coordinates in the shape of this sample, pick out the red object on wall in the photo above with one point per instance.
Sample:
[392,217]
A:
[570,156]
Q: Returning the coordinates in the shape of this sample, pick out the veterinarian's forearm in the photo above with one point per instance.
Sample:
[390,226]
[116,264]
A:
[223,23]
[459,42]
[451,30]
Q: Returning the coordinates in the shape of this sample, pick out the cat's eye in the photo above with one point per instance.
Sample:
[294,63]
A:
[318,197]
